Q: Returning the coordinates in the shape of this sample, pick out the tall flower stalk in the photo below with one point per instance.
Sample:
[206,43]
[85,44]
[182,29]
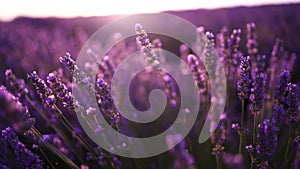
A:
[13,83]
[19,118]
[292,100]
[47,96]
[244,89]
[257,99]
[151,55]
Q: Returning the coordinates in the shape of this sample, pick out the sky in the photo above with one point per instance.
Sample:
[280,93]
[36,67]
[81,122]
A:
[10,9]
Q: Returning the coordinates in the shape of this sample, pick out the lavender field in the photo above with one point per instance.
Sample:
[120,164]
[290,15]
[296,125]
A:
[259,128]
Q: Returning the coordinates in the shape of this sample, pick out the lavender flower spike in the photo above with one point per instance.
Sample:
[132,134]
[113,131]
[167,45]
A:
[146,46]
[234,43]
[244,83]
[67,61]
[42,89]
[257,92]
[18,85]
[106,101]
[266,142]
[281,87]
[198,73]
[14,113]
[292,101]
[252,40]
[60,90]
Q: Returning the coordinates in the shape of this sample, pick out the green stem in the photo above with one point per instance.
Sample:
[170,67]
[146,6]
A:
[254,128]
[50,163]
[242,127]
[207,98]
[189,143]
[252,161]
[287,149]
[218,162]
[58,131]
[54,150]
[285,161]
[66,123]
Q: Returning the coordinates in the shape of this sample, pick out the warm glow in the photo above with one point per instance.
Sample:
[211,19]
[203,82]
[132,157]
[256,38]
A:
[70,8]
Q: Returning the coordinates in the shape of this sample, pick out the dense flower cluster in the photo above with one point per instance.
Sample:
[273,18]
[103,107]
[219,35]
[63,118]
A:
[60,90]
[267,143]
[25,157]
[44,92]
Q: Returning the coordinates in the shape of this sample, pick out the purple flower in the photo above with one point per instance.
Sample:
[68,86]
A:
[107,67]
[281,88]
[266,141]
[278,115]
[25,157]
[250,148]
[251,40]
[184,51]
[198,74]
[292,101]
[67,61]
[286,100]
[81,77]
[13,113]
[234,161]
[278,50]
[234,43]
[296,143]
[60,90]
[257,93]
[106,101]
[17,85]
[264,165]
[244,83]
[218,138]
[260,64]
[146,46]
[170,89]
[209,47]
[224,45]
[102,92]
[45,139]
[42,89]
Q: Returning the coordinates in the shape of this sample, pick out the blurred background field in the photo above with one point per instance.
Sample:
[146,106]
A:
[36,43]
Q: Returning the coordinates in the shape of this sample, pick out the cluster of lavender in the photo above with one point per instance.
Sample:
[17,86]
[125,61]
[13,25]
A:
[25,158]
[14,113]
[198,73]
[260,84]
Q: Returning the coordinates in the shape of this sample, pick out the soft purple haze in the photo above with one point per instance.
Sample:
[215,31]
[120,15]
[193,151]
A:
[68,8]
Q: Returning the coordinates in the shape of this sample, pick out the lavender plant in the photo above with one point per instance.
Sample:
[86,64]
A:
[51,137]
